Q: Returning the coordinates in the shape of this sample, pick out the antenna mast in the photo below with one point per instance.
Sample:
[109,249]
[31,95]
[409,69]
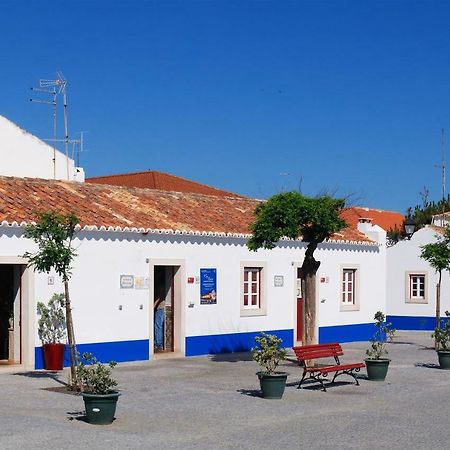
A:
[59,86]
[443,163]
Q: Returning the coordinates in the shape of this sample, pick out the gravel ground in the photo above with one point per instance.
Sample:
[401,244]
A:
[214,403]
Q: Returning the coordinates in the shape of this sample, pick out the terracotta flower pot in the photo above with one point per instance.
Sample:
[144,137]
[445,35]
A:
[53,356]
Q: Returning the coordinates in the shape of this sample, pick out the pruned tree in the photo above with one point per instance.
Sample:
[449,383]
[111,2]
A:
[437,254]
[295,216]
[53,233]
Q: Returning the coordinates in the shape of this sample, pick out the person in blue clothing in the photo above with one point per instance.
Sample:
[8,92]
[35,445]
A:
[159,319]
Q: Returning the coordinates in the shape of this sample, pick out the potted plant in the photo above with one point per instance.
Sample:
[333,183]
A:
[442,338]
[268,354]
[96,384]
[52,331]
[377,365]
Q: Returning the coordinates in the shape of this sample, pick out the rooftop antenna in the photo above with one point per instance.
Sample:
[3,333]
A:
[57,86]
[53,92]
[442,166]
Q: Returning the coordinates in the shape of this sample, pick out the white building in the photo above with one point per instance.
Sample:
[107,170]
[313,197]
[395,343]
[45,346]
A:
[411,281]
[24,155]
[137,244]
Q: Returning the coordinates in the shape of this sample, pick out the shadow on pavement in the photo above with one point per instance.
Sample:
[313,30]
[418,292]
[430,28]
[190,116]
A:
[42,374]
[251,392]
[428,365]
[231,357]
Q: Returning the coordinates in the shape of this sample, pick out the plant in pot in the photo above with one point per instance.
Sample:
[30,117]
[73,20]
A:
[376,362]
[96,385]
[442,339]
[268,354]
[52,331]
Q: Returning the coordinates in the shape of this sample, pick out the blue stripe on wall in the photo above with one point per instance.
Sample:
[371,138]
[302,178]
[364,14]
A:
[346,333]
[419,323]
[104,351]
[228,343]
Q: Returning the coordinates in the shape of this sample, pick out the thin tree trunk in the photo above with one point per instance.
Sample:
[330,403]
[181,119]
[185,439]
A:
[70,334]
[438,307]
[309,269]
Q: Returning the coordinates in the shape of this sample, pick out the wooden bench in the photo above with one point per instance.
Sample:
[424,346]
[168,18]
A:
[307,353]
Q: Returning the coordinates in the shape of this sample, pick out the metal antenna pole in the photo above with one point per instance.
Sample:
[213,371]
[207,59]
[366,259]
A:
[54,133]
[443,163]
[62,83]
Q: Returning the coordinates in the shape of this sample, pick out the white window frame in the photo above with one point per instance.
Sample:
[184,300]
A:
[343,287]
[409,286]
[249,310]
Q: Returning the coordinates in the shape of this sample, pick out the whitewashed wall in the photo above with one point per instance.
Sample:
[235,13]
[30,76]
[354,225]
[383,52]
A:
[25,155]
[404,257]
[104,256]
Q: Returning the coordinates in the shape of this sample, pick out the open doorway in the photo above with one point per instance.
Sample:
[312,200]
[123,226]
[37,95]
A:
[299,331]
[166,308]
[10,314]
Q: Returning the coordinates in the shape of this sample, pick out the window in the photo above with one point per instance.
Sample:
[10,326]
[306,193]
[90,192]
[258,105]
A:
[416,287]
[252,289]
[349,294]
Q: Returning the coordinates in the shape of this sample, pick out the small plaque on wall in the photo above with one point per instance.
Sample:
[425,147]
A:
[126,281]
[278,280]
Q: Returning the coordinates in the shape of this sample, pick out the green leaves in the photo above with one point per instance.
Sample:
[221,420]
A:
[442,334]
[95,377]
[268,353]
[437,254]
[53,233]
[384,334]
[293,215]
[52,321]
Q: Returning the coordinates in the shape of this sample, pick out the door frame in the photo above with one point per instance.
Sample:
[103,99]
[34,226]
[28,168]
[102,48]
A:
[179,345]
[296,266]
[27,310]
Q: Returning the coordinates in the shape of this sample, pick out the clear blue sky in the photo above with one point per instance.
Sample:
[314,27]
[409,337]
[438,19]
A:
[248,96]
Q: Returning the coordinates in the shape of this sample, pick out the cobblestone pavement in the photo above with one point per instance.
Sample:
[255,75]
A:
[214,403]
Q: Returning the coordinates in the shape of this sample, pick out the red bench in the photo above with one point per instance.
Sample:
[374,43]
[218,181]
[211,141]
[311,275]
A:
[308,353]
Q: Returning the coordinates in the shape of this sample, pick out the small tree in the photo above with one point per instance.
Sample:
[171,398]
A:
[53,233]
[437,254]
[292,215]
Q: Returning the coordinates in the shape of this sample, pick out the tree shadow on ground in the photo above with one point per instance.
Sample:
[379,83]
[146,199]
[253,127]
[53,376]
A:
[419,346]
[428,365]
[231,357]
[250,392]
[77,415]
[42,374]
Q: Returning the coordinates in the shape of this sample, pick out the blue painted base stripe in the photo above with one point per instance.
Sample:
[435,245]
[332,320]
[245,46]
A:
[346,333]
[121,351]
[414,323]
[228,343]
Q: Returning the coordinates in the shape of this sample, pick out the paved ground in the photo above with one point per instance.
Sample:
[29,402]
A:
[213,403]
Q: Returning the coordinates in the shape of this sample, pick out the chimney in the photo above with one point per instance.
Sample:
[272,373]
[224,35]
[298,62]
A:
[364,224]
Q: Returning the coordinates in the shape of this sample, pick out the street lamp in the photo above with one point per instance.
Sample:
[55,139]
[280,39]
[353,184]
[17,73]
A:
[410,227]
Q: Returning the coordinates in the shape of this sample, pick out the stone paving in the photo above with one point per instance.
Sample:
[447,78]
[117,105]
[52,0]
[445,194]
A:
[214,403]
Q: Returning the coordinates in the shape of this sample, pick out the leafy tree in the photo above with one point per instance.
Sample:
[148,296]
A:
[437,254]
[292,215]
[53,233]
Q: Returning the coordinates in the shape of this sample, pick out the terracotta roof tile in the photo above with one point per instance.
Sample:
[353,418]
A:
[385,219]
[152,179]
[120,207]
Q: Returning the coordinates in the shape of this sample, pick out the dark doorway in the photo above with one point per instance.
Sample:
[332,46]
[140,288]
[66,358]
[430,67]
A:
[10,313]
[164,308]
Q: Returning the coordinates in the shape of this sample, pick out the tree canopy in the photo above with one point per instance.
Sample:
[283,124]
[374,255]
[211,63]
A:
[292,215]
[53,233]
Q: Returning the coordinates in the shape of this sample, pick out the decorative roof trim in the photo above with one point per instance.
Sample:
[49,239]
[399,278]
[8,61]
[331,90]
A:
[118,229]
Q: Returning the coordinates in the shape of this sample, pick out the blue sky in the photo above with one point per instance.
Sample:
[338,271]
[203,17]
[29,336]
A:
[248,96]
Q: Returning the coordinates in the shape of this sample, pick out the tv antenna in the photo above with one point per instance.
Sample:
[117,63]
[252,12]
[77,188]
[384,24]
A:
[442,166]
[57,87]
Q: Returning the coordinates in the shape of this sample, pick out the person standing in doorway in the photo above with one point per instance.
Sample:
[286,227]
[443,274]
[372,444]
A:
[159,315]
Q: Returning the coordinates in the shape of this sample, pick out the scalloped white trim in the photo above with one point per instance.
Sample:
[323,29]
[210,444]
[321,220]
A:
[141,230]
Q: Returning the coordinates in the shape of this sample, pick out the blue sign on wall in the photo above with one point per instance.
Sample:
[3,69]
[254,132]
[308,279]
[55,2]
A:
[208,286]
